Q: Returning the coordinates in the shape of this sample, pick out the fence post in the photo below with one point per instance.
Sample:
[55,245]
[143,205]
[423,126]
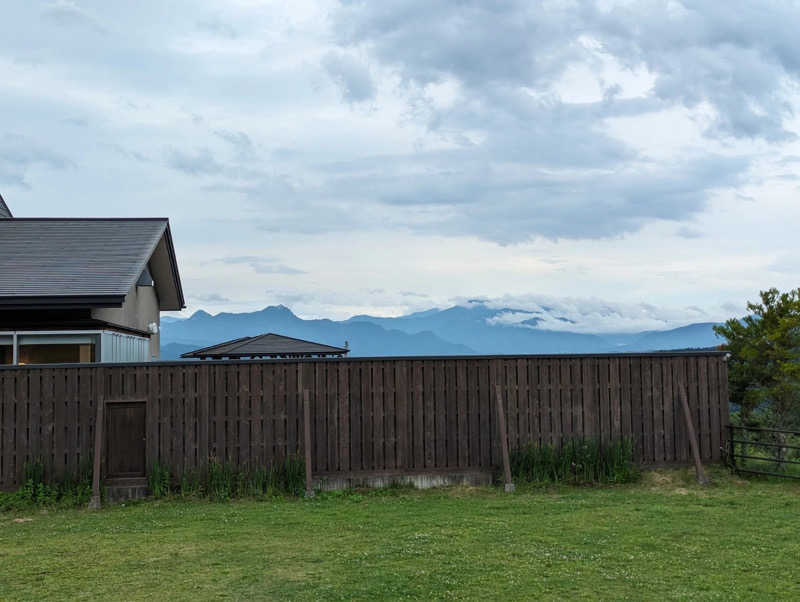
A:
[731,447]
[94,504]
[701,475]
[501,425]
[307,440]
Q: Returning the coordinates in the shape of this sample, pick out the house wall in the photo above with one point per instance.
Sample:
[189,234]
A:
[140,309]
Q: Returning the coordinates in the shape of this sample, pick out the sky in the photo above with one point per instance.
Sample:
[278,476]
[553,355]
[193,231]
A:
[346,157]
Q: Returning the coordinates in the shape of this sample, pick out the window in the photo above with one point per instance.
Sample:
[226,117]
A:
[56,354]
[6,354]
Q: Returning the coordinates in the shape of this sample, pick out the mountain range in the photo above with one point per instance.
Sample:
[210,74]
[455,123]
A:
[475,328]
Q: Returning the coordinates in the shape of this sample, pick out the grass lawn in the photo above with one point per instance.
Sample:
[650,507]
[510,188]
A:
[661,538]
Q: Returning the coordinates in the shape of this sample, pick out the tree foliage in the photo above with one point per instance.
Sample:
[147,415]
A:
[764,367]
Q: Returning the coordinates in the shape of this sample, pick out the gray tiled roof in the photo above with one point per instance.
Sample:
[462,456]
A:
[52,257]
[269,344]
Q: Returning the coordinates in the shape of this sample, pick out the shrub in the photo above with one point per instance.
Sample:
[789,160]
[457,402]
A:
[576,461]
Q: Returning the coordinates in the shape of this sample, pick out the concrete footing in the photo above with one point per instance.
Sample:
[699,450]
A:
[418,480]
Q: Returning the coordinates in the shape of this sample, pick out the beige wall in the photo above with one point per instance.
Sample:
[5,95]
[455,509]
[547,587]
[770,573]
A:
[140,309]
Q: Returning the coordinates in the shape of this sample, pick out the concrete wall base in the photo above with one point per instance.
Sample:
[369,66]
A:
[418,480]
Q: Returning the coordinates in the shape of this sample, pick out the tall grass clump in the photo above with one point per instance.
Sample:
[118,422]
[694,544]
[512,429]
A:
[74,489]
[158,480]
[576,461]
[224,481]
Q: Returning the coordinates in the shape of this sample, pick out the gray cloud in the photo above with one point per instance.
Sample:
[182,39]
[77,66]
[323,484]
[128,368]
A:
[351,75]
[240,141]
[68,14]
[736,56]
[217,26]
[18,154]
[263,265]
[200,162]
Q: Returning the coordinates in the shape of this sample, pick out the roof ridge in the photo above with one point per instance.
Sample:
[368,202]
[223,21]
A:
[283,336]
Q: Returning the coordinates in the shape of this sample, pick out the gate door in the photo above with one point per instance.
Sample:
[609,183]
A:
[126,439]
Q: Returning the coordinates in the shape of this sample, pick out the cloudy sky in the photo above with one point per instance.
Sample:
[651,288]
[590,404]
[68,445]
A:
[384,157]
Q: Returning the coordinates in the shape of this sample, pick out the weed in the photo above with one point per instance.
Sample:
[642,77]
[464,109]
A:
[158,480]
[576,461]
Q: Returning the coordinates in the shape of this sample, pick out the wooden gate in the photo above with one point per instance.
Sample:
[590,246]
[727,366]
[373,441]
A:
[126,439]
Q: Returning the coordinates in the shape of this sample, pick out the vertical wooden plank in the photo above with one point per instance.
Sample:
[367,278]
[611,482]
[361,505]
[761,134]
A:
[21,426]
[704,424]
[356,404]
[724,399]
[669,410]
[418,414]
[203,416]
[48,419]
[268,375]
[368,441]
[524,401]
[440,414]
[625,397]
[714,407]
[430,414]
[7,446]
[332,425]
[462,411]
[378,431]
[403,415]
[307,440]
[294,408]
[496,377]
[390,415]
[243,413]
[189,377]
[85,417]
[473,400]
[256,415]
[485,407]
[72,424]
[25,404]
[647,410]
[692,391]
[604,370]
[177,399]
[636,408]
[451,409]
[658,410]
[343,414]
[615,399]
[511,397]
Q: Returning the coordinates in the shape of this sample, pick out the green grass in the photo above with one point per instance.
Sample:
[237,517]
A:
[663,537]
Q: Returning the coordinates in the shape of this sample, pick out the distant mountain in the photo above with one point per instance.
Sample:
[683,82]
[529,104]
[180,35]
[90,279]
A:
[460,330]
[694,336]
[364,339]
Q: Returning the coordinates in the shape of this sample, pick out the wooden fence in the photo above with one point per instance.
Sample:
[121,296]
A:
[375,415]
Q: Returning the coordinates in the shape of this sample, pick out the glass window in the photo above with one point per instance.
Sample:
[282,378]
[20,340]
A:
[6,354]
[56,354]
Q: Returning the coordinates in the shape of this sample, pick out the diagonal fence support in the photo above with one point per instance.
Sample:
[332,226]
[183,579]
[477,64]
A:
[701,473]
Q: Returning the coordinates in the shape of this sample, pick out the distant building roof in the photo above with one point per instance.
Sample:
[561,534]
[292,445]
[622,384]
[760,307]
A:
[266,345]
[61,263]
[5,212]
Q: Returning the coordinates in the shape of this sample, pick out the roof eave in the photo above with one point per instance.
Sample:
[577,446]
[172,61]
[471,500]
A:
[66,302]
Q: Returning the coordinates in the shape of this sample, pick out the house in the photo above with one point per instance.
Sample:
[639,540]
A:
[268,345]
[84,289]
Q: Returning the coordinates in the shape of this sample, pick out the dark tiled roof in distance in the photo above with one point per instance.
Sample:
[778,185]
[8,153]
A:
[266,345]
[74,257]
